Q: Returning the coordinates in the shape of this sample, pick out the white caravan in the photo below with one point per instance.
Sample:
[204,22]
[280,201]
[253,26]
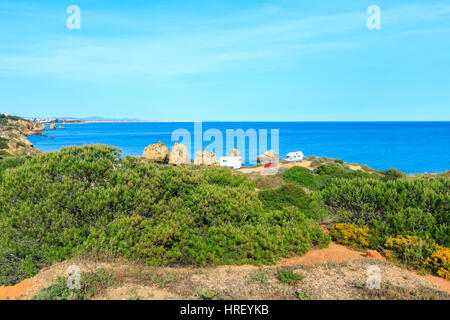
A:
[294,156]
[232,162]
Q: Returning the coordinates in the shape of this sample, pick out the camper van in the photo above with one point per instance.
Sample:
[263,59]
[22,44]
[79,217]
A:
[294,156]
[232,162]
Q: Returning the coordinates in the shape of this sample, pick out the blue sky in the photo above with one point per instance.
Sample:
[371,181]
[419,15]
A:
[227,60]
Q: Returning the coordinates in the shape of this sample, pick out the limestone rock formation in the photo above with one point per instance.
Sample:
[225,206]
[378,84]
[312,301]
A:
[13,133]
[203,158]
[52,126]
[61,127]
[27,128]
[234,153]
[178,154]
[268,156]
[156,152]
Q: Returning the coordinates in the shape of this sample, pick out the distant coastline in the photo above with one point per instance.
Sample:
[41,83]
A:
[135,121]
[376,144]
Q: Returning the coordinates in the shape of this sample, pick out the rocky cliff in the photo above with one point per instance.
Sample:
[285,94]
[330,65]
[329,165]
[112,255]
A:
[13,136]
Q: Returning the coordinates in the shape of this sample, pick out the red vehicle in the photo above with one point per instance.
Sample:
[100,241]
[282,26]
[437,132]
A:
[271,165]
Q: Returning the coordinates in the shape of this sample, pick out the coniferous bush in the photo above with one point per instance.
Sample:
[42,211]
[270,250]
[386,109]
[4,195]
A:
[416,207]
[86,200]
[290,195]
[300,175]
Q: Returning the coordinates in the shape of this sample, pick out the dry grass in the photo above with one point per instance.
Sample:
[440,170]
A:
[344,280]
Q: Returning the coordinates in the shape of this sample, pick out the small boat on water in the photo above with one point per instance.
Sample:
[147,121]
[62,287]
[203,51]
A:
[294,156]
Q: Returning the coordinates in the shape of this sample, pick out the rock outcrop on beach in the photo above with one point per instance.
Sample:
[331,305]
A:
[61,127]
[29,128]
[52,126]
[234,153]
[203,158]
[268,156]
[178,154]
[13,133]
[156,152]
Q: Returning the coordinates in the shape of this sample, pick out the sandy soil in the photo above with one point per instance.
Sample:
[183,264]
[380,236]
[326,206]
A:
[354,167]
[305,164]
[14,292]
[334,253]
[336,272]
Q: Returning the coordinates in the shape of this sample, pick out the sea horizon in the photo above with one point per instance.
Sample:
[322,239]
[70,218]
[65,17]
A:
[235,121]
[378,144]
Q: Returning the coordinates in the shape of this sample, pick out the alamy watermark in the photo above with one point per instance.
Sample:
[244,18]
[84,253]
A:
[74,20]
[374,20]
[234,139]
[374,277]
[74,280]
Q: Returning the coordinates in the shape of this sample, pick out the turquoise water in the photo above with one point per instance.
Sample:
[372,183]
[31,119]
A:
[413,147]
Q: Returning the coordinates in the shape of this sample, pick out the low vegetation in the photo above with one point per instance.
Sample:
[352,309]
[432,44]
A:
[210,294]
[91,284]
[89,200]
[419,253]
[10,163]
[3,143]
[417,207]
[288,277]
[4,119]
[405,217]
[290,195]
[300,175]
[350,235]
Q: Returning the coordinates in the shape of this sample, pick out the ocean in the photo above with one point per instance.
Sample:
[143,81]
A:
[412,147]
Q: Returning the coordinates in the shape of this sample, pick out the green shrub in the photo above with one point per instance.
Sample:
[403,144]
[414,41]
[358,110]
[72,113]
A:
[208,294]
[420,206]
[3,153]
[90,200]
[91,285]
[301,176]
[10,163]
[226,177]
[288,277]
[3,143]
[392,174]
[290,195]
[334,171]
[302,295]
[4,119]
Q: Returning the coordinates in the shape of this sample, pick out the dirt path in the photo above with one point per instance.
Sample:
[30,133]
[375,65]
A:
[314,263]
[305,164]
[334,253]
[14,292]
